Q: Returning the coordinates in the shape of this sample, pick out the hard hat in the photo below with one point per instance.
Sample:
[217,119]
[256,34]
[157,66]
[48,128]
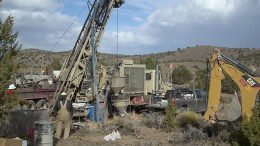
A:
[12,86]
[63,93]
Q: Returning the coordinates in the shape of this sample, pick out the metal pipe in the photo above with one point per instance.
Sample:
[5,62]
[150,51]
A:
[157,80]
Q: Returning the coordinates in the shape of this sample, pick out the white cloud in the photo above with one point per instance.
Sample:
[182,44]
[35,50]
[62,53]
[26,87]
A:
[30,5]
[145,26]
[138,19]
[176,24]
[123,37]
[40,24]
[222,7]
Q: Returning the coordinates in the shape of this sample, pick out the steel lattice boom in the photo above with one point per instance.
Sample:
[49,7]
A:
[77,68]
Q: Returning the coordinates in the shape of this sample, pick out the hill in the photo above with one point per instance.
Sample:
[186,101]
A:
[192,57]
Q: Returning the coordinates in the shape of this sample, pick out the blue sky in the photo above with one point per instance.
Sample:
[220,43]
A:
[145,26]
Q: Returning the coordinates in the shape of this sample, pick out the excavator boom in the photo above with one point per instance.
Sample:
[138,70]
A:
[247,81]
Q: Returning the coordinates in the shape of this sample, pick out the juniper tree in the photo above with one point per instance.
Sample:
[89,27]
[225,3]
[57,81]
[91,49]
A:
[181,75]
[149,62]
[9,48]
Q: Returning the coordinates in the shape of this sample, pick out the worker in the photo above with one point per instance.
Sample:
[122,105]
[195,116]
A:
[11,90]
[64,110]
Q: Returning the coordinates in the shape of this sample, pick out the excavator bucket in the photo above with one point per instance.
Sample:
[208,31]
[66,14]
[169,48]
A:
[229,111]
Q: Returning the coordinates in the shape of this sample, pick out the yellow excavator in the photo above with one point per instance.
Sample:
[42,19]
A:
[247,81]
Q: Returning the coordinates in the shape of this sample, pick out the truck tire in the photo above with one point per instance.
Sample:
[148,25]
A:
[29,107]
[41,104]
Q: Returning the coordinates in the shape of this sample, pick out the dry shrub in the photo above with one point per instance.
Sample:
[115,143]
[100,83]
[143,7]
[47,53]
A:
[125,125]
[152,120]
[194,134]
[176,137]
[189,135]
[111,125]
[222,132]
[90,127]
[190,118]
[98,127]
[190,129]
[128,126]
[223,135]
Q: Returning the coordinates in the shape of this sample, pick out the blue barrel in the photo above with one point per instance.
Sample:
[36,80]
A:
[92,113]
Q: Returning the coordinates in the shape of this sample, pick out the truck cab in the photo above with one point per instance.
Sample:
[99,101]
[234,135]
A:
[186,98]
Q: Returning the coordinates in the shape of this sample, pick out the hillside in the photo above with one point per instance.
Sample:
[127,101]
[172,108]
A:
[192,57]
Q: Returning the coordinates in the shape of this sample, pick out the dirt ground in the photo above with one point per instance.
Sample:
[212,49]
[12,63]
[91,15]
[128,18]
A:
[132,132]
[149,137]
[136,130]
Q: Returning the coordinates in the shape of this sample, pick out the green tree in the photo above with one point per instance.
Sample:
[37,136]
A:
[170,115]
[9,48]
[228,85]
[200,79]
[181,75]
[149,62]
[249,131]
[56,65]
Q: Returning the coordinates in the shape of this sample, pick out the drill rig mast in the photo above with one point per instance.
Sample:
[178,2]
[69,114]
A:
[81,63]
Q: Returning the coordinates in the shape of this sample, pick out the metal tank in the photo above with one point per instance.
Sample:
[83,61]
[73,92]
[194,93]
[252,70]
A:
[43,133]
[119,100]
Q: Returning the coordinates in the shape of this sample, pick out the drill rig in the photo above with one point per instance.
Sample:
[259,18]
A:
[80,68]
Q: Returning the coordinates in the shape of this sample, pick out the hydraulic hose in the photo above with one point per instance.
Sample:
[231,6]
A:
[240,66]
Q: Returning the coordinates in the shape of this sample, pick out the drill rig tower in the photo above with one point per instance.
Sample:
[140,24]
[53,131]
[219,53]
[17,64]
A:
[80,67]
